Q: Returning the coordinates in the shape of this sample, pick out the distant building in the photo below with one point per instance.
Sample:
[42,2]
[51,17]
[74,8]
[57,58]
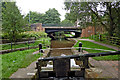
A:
[37,27]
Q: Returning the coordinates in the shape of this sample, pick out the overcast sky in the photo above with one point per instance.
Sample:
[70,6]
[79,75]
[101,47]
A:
[41,6]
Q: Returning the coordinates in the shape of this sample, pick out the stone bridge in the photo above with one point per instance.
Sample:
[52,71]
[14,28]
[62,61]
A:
[52,30]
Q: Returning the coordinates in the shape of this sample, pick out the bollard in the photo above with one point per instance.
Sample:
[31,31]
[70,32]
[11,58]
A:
[80,47]
[40,48]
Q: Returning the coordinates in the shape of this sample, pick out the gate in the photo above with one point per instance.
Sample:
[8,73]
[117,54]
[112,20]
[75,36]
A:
[61,66]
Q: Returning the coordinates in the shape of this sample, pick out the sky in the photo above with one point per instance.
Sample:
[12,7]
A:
[41,6]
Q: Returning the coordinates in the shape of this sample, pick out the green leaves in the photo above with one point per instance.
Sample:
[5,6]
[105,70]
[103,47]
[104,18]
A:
[12,20]
[106,14]
[50,17]
[34,34]
[66,23]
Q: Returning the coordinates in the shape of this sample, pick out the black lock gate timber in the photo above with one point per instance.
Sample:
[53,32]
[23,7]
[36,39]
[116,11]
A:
[61,65]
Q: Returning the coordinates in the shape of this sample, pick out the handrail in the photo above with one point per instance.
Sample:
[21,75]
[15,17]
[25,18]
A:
[81,55]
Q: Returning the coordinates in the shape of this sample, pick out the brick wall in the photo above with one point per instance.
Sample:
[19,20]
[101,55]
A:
[90,30]
[37,27]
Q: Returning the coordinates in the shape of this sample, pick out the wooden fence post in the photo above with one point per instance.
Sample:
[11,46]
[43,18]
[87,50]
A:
[100,37]
[11,45]
[28,44]
[85,62]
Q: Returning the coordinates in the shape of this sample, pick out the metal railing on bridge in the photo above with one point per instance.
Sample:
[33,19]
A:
[57,25]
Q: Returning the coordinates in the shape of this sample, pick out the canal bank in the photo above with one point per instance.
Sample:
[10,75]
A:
[30,71]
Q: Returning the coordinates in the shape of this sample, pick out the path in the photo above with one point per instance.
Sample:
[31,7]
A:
[104,69]
[28,72]
[109,46]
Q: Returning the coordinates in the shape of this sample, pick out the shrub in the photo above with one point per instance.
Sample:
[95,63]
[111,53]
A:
[34,34]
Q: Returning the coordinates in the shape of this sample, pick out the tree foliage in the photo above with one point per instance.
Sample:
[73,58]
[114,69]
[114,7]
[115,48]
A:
[35,17]
[66,23]
[12,20]
[106,14]
[50,17]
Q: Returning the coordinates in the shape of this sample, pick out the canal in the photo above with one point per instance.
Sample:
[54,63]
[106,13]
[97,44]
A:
[61,44]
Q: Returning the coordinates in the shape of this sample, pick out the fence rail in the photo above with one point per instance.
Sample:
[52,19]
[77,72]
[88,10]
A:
[81,55]
[20,40]
[12,46]
[112,40]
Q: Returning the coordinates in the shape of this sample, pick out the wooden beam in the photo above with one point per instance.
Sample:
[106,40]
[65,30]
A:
[80,56]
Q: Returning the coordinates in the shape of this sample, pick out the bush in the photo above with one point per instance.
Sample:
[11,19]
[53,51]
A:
[27,34]
[34,34]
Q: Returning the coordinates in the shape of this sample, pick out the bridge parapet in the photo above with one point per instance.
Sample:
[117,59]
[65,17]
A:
[51,27]
[54,29]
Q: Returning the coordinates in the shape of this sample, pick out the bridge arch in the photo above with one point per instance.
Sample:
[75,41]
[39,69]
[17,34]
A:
[50,30]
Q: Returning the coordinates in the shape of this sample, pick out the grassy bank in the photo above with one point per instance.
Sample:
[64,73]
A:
[20,59]
[103,39]
[0,67]
[11,62]
[93,45]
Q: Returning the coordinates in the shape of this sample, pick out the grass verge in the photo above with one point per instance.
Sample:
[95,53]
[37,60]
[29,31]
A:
[68,35]
[0,67]
[93,45]
[11,62]
[104,40]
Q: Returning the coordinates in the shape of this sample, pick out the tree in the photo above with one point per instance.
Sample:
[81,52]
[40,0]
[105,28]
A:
[52,17]
[66,23]
[77,11]
[71,16]
[108,15]
[35,17]
[12,21]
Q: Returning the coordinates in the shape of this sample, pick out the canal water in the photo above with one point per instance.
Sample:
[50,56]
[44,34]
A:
[61,44]
[55,51]
[62,52]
